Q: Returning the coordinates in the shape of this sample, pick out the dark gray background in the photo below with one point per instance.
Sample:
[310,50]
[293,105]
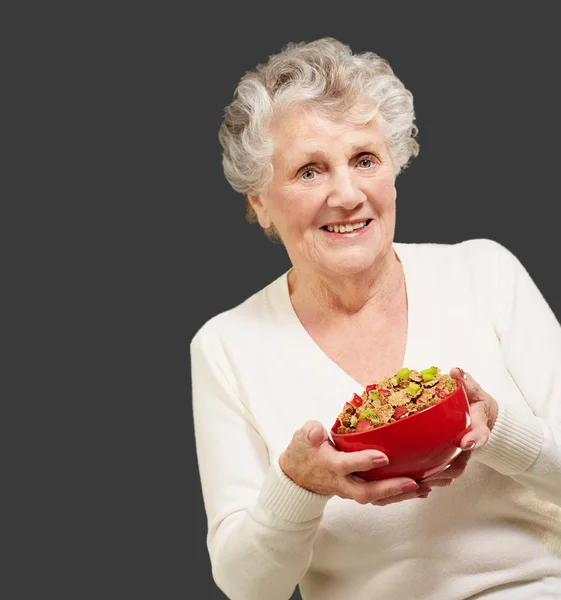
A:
[136,239]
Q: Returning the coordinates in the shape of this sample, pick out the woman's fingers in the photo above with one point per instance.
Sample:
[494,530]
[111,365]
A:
[479,434]
[422,491]
[367,492]
[477,396]
[363,460]
[440,482]
[473,389]
[456,468]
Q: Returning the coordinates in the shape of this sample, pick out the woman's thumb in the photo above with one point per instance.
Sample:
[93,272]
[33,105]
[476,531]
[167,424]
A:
[315,433]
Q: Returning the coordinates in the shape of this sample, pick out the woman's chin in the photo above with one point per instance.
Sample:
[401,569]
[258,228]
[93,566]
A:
[351,266]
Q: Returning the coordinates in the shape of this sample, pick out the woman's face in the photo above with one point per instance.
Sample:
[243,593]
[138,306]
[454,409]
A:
[332,195]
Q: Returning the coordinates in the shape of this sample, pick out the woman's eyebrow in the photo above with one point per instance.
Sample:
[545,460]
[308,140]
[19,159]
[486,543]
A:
[319,155]
[313,156]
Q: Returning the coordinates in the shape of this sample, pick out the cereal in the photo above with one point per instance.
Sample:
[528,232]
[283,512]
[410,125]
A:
[395,398]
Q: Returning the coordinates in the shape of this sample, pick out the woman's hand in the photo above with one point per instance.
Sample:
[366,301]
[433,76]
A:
[483,410]
[312,461]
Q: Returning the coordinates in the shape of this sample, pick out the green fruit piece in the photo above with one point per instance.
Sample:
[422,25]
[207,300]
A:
[369,413]
[374,395]
[354,421]
[395,381]
[429,374]
[413,388]
[403,374]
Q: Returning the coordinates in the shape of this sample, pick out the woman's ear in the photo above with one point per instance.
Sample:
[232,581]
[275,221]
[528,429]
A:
[260,210]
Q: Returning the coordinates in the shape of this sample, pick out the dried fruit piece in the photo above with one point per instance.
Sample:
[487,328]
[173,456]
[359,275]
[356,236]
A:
[413,388]
[357,400]
[429,374]
[364,425]
[399,412]
[401,375]
[368,413]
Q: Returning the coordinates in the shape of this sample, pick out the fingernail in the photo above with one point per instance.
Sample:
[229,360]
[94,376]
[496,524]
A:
[410,486]
[380,461]
[423,496]
[470,445]
[462,373]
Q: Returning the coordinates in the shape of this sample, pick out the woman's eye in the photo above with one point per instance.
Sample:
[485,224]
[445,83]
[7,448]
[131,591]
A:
[308,172]
[365,163]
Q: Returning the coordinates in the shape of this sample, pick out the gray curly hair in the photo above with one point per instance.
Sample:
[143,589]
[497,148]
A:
[323,75]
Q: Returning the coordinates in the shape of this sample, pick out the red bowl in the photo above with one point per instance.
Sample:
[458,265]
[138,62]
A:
[417,446]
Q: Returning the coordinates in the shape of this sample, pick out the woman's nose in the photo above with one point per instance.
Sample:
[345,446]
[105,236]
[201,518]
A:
[344,192]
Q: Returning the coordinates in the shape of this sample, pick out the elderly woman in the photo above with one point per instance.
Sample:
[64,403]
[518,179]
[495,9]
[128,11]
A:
[315,139]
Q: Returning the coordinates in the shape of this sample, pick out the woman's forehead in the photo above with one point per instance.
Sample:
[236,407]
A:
[291,120]
[302,133]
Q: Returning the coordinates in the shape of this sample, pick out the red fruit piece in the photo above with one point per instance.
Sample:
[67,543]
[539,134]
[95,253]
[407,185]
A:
[357,400]
[385,392]
[440,393]
[399,412]
[363,425]
[371,387]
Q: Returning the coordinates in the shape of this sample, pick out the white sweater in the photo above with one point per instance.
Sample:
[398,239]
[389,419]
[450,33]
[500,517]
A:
[258,376]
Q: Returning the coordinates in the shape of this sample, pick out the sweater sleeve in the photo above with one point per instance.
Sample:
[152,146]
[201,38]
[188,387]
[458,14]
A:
[261,525]
[526,445]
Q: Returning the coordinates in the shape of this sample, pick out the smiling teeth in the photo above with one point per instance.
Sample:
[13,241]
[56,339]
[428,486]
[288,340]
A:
[346,228]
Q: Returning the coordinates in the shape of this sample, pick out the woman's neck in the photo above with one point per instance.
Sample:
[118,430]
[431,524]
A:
[345,296]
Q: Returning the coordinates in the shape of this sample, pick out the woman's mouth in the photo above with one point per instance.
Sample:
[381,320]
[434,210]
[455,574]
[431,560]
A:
[345,229]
